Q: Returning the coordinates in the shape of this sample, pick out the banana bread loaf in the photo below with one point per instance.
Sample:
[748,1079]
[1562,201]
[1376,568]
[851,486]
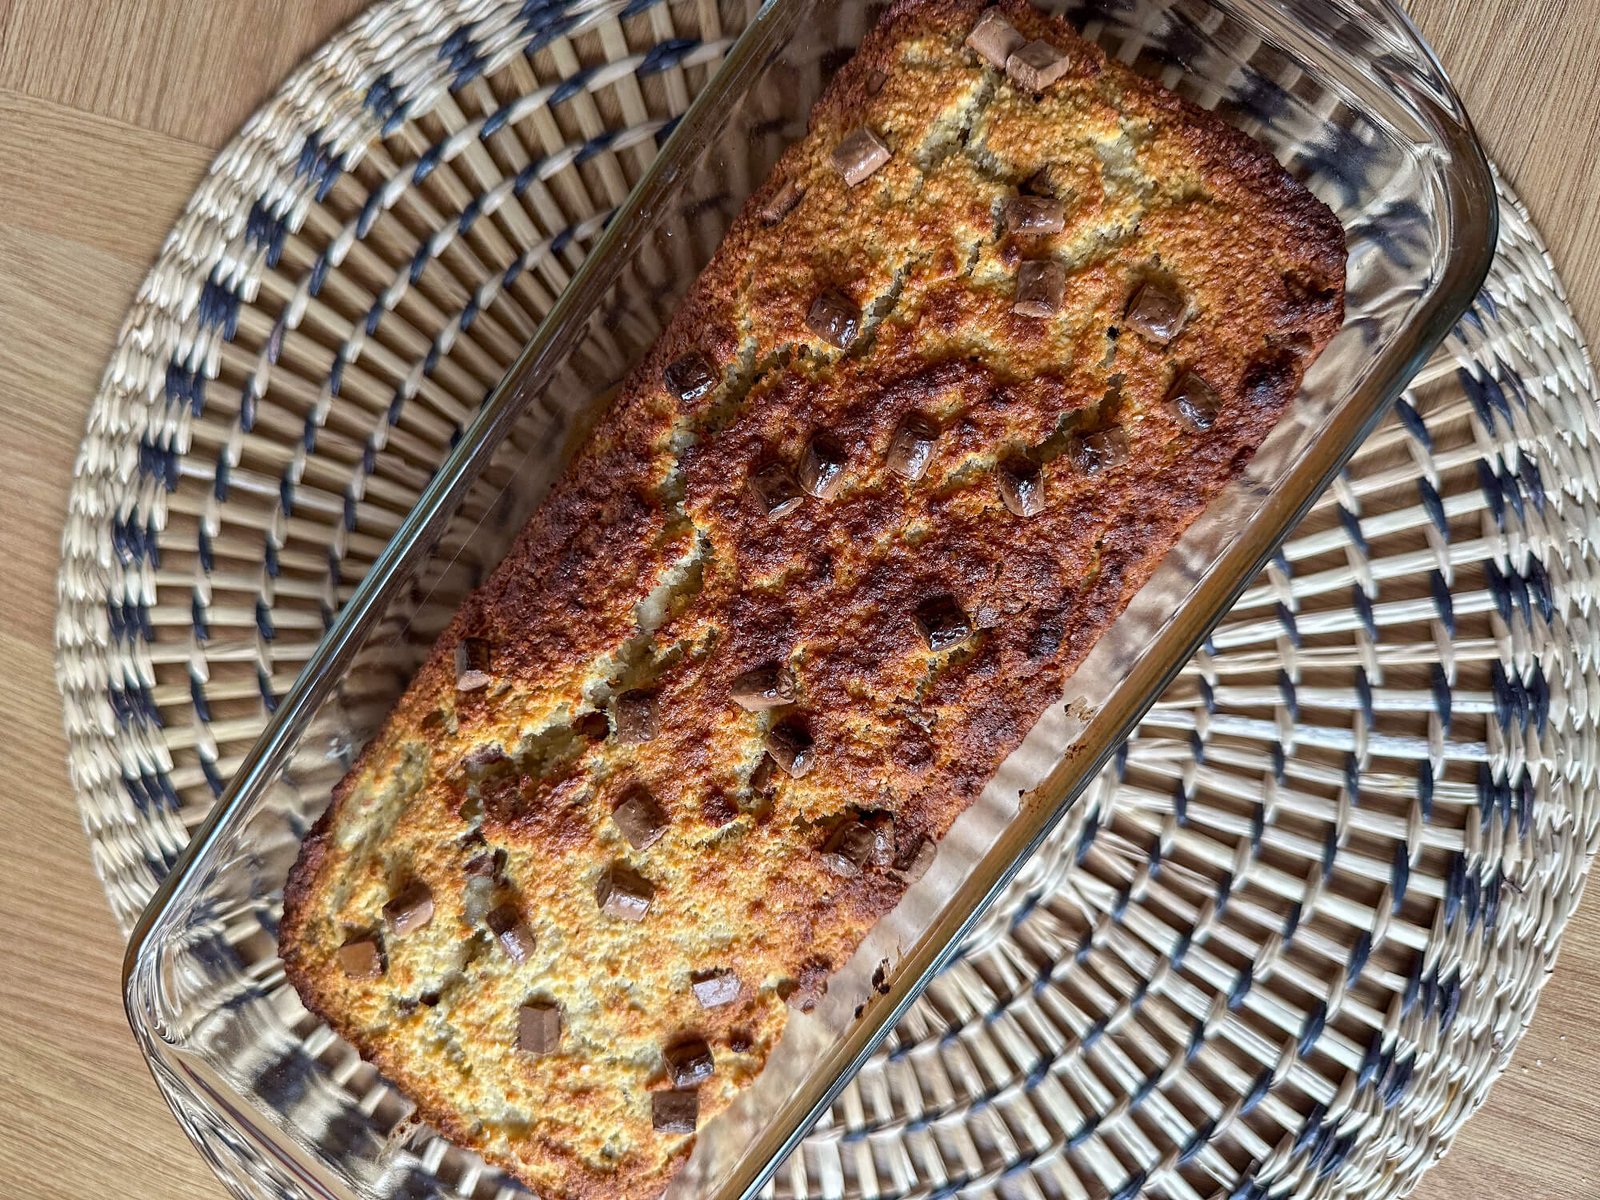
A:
[963,370]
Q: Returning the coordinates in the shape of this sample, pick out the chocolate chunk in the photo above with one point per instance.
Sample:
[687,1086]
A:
[875,82]
[624,893]
[491,864]
[911,447]
[636,717]
[640,820]
[593,726]
[472,664]
[775,490]
[1096,452]
[689,1062]
[771,685]
[791,747]
[995,38]
[480,758]
[1036,66]
[1156,312]
[835,318]
[912,860]
[880,977]
[716,989]
[846,851]
[807,991]
[1021,486]
[361,958]
[783,202]
[761,777]
[860,154]
[690,377]
[512,932]
[822,468]
[411,909]
[538,1028]
[1040,286]
[1195,401]
[942,622]
[740,1041]
[674,1112]
[881,826]
[1034,216]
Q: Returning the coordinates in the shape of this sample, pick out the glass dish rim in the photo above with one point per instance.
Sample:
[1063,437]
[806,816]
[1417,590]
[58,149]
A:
[1468,197]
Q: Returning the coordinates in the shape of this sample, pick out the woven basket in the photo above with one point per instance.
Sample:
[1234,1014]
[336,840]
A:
[1283,945]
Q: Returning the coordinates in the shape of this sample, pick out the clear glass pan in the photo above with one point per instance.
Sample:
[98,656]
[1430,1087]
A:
[1343,91]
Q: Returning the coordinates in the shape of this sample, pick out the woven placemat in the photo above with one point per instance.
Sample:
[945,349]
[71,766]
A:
[1283,945]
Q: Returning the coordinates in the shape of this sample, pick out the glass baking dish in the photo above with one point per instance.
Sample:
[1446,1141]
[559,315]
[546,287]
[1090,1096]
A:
[1343,91]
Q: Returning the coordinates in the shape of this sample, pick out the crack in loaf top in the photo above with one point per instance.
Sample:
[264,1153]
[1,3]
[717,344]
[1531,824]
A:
[963,370]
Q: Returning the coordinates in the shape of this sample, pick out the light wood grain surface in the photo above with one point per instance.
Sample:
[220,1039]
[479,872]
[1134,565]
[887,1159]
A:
[110,111]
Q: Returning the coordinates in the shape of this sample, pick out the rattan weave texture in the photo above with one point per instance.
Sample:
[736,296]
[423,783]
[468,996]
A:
[1283,946]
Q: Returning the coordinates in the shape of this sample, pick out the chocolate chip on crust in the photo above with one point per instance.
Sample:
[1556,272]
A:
[911,446]
[410,909]
[835,318]
[995,39]
[716,988]
[1194,401]
[512,932]
[1096,452]
[1155,312]
[674,1112]
[1036,66]
[790,746]
[1040,287]
[776,490]
[847,849]
[636,716]
[538,1028]
[690,377]
[1021,485]
[942,622]
[783,202]
[821,468]
[473,664]
[361,958]
[689,1062]
[640,819]
[859,155]
[624,893]
[770,685]
[1034,216]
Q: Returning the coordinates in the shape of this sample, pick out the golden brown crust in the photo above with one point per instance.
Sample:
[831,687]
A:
[652,569]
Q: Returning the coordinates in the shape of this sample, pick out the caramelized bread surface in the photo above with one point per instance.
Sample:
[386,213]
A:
[966,366]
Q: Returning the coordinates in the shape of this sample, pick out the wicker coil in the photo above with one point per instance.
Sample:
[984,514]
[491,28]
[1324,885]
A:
[1282,946]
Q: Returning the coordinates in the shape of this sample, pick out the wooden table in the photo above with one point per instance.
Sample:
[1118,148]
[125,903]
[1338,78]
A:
[110,111]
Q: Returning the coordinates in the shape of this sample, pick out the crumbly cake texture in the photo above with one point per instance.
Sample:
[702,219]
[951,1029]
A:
[1068,318]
